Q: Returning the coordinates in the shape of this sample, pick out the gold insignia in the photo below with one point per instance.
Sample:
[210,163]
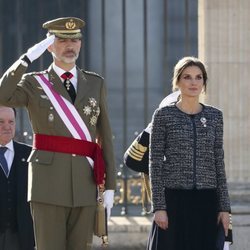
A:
[137,151]
[93,120]
[92,102]
[92,110]
[97,111]
[70,25]
[51,117]
[87,110]
[52,77]
[44,97]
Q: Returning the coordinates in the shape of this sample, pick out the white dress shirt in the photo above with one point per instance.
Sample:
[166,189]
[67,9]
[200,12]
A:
[9,154]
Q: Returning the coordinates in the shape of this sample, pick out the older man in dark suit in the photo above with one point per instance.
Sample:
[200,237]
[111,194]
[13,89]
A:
[72,138]
[16,227]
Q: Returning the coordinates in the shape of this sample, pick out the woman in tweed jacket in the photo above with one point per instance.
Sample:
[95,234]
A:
[189,189]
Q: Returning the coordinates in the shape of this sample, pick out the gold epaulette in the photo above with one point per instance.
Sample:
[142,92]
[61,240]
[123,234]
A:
[91,73]
[136,151]
[34,73]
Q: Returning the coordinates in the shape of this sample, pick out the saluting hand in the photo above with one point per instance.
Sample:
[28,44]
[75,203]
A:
[38,49]
[161,219]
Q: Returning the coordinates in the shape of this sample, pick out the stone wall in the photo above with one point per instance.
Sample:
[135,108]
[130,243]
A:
[224,45]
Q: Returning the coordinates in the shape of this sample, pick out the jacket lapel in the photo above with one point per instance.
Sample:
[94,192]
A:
[18,164]
[82,87]
[57,84]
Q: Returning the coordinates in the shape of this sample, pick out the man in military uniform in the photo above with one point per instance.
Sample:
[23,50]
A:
[68,112]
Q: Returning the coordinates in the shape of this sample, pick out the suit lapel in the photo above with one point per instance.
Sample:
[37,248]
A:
[18,165]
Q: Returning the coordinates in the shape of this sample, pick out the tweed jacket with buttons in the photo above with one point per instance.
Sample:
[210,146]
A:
[186,152]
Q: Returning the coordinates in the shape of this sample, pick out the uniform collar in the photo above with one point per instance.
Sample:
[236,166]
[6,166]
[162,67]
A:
[60,71]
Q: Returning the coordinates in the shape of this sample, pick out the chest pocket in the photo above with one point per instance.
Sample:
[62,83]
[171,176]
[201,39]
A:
[48,113]
[41,157]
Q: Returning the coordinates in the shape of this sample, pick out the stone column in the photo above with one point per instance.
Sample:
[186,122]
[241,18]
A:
[224,46]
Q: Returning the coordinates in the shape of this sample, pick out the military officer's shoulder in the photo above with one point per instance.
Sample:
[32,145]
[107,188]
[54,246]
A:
[36,73]
[91,73]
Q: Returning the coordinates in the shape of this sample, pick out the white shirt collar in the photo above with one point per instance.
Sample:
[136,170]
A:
[9,145]
[60,71]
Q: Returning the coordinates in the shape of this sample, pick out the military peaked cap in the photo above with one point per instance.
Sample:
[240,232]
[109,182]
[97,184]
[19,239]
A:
[65,27]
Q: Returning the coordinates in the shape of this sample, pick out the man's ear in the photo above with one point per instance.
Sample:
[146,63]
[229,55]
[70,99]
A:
[50,48]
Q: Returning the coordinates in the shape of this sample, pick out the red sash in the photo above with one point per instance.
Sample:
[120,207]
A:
[69,145]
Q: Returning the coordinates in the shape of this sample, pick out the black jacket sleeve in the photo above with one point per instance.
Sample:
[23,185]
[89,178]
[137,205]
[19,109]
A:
[136,156]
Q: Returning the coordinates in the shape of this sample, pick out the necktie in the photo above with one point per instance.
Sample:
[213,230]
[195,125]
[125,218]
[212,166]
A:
[3,161]
[68,85]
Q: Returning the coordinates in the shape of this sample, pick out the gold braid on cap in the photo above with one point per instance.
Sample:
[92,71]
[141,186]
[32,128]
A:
[65,31]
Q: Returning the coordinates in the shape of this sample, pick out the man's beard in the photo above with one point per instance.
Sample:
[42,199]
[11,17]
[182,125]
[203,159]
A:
[66,59]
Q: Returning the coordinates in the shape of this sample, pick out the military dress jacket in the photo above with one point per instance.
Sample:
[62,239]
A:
[58,178]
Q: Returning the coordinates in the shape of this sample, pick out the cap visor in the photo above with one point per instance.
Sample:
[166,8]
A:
[70,36]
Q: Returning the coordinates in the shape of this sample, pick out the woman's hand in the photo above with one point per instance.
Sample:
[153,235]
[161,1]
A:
[161,219]
[224,219]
